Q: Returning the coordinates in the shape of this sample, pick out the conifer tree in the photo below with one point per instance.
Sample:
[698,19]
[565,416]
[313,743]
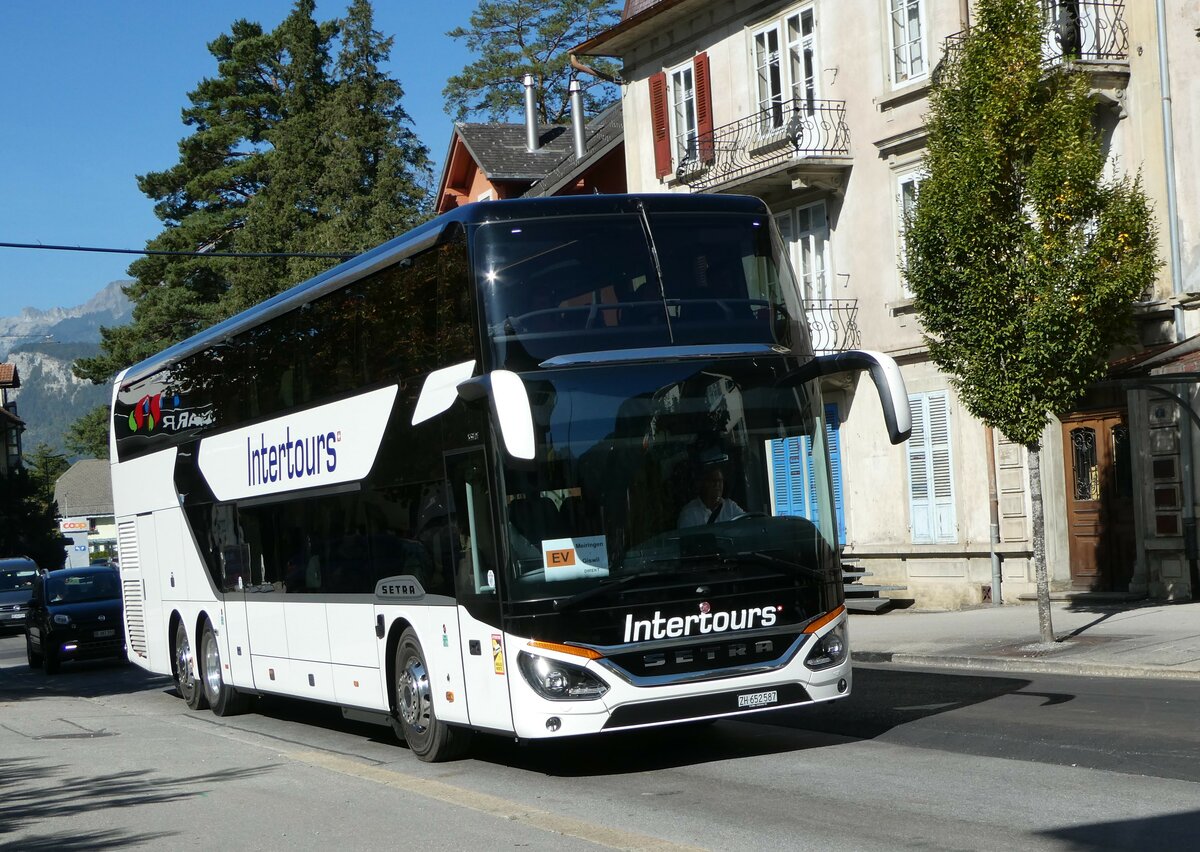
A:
[512,38]
[1023,259]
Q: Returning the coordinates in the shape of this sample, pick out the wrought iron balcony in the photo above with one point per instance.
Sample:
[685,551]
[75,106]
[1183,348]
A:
[787,131]
[1084,29]
[1073,30]
[833,324]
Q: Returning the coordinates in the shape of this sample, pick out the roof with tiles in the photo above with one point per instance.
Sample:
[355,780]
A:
[9,377]
[85,491]
[500,152]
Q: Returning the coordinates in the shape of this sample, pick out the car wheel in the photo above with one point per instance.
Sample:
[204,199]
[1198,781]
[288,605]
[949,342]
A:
[222,699]
[414,719]
[34,658]
[50,661]
[185,670]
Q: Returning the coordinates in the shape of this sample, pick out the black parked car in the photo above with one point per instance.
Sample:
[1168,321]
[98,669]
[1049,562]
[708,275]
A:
[75,614]
[16,583]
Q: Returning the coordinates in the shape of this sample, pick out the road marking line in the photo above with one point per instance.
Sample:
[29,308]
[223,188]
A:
[492,805]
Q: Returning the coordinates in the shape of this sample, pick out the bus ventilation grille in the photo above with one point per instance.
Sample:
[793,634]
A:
[131,587]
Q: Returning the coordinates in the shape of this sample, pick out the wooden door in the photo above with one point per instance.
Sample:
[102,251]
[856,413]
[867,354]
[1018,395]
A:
[1099,500]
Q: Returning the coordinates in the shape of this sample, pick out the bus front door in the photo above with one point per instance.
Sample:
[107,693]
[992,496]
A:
[473,539]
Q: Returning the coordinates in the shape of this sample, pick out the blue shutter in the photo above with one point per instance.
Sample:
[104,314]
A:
[833,433]
[931,470]
[795,475]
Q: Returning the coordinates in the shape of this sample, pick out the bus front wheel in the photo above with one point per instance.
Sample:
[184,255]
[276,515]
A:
[428,738]
[185,670]
[222,698]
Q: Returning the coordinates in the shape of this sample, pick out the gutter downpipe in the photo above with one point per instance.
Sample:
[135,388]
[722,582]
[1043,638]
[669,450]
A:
[1186,446]
[994,507]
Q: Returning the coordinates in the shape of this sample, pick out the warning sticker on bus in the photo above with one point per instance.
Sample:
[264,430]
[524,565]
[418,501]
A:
[574,558]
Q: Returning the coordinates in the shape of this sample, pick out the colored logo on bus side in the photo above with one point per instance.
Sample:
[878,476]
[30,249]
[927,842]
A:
[147,413]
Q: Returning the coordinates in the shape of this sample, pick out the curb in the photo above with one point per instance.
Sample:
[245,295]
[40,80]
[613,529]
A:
[1022,664]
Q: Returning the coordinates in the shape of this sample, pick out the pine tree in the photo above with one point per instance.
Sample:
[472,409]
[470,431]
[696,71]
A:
[288,155]
[1023,259]
[513,38]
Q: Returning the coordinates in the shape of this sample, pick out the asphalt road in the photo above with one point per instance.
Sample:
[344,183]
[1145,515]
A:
[105,756]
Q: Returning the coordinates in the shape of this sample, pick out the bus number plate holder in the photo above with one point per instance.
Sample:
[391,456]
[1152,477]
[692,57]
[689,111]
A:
[758,699]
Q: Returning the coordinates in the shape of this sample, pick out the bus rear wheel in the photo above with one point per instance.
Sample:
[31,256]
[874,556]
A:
[428,738]
[222,698]
[184,670]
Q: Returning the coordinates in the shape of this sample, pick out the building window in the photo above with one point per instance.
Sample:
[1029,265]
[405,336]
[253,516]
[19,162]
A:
[907,41]
[930,471]
[681,118]
[683,113]
[908,186]
[774,77]
[805,231]
[793,474]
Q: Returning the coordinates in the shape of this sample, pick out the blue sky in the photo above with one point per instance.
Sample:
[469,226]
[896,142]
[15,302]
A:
[91,97]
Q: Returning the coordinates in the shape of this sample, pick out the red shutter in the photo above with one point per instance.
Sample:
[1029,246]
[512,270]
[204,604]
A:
[658,124]
[704,116]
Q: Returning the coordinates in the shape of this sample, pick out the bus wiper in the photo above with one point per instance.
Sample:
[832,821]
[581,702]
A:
[605,587]
[767,559]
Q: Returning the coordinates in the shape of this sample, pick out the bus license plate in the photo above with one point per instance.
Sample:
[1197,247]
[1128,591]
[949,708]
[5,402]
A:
[758,699]
[101,634]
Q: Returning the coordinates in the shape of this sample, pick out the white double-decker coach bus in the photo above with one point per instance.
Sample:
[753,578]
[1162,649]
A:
[509,472]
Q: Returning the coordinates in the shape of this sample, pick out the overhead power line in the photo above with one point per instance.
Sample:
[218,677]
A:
[179,253]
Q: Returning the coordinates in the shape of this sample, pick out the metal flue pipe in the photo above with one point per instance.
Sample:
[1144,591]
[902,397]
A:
[531,131]
[577,119]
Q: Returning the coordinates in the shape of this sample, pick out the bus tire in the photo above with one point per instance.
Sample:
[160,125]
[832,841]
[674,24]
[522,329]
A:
[222,698]
[184,668]
[428,738]
[33,657]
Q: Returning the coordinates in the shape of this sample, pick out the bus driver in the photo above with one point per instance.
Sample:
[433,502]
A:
[709,506]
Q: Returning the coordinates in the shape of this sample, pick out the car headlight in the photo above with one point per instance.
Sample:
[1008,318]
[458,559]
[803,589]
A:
[829,650]
[62,619]
[559,681]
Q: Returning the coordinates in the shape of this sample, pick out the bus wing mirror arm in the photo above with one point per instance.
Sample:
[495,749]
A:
[893,395]
[510,408]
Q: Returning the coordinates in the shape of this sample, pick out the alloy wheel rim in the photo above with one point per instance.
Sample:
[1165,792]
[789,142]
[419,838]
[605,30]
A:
[414,696]
[212,667]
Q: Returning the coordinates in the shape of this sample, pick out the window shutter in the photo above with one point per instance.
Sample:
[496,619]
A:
[658,125]
[833,440]
[704,116]
[787,468]
[931,471]
[941,469]
[920,507]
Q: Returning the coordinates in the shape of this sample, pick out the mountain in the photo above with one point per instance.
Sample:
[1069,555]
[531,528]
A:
[80,324]
[42,345]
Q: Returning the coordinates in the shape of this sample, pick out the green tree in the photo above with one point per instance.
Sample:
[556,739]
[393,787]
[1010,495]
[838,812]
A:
[45,466]
[28,527]
[88,436]
[287,155]
[512,38]
[377,178]
[1023,259]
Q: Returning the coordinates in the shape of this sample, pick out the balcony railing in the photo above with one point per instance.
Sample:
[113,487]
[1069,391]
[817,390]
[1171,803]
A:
[789,130]
[1091,30]
[1084,29]
[833,324]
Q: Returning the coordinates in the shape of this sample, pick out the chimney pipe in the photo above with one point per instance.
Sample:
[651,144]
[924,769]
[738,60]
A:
[531,131]
[577,119]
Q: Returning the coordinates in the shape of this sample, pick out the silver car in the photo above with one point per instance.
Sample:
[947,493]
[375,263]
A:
[16,588]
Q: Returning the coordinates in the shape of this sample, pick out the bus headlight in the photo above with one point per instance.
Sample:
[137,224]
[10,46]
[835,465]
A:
[559,681]
[829,650]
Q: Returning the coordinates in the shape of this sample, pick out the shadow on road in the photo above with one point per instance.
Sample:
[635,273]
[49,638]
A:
[31,793]
[1170,831]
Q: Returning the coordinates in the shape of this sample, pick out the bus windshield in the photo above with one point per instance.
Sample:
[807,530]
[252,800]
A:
[666,468]
[566,284]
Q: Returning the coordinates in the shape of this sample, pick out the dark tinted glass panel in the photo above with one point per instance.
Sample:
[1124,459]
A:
[567,285]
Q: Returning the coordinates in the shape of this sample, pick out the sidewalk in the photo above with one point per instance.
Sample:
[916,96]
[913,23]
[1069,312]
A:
[1154,640]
